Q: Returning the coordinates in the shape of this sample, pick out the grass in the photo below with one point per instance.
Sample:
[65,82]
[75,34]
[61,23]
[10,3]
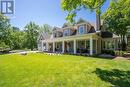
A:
[39,70]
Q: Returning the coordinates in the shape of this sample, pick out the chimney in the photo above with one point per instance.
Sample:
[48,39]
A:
[98,22]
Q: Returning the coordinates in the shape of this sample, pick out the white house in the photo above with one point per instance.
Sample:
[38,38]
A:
[80,38]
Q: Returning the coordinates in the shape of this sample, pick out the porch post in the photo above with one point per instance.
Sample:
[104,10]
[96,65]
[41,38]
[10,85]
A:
[85,44]
[91,46]
[53,46]
[114,44]
[47,46]
[63,46]
[74,46]
[96,45]
[42,46]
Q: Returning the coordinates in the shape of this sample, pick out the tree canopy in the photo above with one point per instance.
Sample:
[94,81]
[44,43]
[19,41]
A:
[46,28]
[73,6]
[31,30]
[14,38]
[4,25]
[117,18]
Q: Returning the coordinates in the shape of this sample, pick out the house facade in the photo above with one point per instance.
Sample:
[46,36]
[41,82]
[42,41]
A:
[79,38]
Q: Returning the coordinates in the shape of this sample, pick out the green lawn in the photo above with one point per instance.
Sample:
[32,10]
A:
[39,70]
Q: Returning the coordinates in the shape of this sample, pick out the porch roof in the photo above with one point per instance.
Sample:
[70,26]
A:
[76,37]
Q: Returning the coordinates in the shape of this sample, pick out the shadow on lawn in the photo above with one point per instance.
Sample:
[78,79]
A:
[117,78]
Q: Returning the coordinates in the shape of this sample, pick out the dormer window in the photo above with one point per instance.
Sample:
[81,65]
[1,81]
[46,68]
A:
[66,32]
[81,30]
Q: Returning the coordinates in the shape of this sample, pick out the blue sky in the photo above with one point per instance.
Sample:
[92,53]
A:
[46,11]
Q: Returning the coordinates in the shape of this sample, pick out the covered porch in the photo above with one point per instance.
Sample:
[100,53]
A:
[84,44]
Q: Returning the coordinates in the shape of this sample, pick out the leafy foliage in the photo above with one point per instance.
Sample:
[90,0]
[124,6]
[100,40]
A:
[14,38]
[31,30]
[4,24]
[117,19]
[73,6]
[46,28]
[3,46]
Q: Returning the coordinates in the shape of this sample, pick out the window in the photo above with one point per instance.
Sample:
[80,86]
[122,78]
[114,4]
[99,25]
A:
[66,32]
[81,30]
[109,45]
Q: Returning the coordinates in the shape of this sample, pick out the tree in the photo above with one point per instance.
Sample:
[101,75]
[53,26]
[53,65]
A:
[16,37]
[117,19]
[46,29]
[4,25]
[73,6]
[31,30]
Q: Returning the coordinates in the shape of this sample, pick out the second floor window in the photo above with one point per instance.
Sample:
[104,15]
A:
[81,30]
[66,32]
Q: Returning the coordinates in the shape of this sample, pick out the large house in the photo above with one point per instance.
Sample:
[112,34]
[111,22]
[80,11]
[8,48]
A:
[82,37]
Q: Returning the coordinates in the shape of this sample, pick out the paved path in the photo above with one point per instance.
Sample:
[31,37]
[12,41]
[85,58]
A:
[122,58]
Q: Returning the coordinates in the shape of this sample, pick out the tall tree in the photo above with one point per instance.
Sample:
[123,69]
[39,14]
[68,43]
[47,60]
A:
[16,38]
[4,25]
[117,19]
[46,28]
[73,6]
[31,30]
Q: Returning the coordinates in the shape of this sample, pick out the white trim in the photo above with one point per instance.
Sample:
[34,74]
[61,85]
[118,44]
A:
[47,46]
[96,45]
[91,46]
[53,46]
[74,47]
[42,45]
[63,46]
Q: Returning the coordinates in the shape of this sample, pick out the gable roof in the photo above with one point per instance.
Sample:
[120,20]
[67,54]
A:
[65,25]
[82,21]
[44,36]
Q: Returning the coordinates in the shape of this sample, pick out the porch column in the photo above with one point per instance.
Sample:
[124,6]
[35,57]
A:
[85,44]
[100,44]
[114,44]
[126,40]
[91,46]
[96,45]
[42,46]
[47,46]
[63,46]
[74,46]
[53,46]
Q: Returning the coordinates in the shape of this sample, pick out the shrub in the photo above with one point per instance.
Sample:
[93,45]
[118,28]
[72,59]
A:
[111,52]
[4,48]
[119,53]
